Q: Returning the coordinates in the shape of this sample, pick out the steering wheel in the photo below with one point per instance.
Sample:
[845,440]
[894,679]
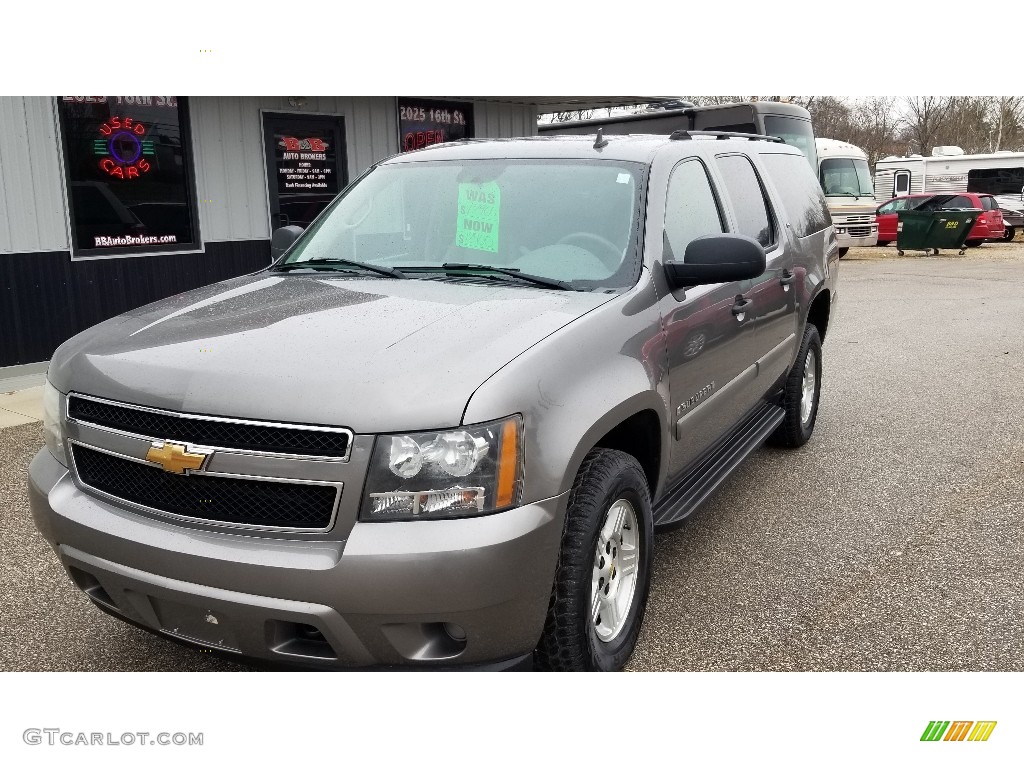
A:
[610,254]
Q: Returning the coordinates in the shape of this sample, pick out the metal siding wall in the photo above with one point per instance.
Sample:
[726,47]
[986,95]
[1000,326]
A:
[230,177]
[500,121]
[227,134]
[32,207]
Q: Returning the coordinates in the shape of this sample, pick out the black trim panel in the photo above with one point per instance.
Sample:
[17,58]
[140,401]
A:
[45,298]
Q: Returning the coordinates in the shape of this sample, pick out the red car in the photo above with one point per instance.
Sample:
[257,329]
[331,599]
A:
[989,225]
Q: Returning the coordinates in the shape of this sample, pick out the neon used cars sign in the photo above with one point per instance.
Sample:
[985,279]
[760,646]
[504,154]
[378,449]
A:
[121,148]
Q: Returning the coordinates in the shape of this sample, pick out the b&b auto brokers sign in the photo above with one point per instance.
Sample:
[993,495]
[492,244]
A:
[306,164]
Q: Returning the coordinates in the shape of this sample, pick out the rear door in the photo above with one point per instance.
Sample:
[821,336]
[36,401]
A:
[993,216]
[772,309]
[900,183]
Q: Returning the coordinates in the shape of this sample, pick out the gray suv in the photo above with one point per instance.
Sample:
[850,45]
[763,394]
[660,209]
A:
[444,426]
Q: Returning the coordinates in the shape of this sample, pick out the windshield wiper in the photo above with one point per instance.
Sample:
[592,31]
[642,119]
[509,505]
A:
[315,263]
[547,282]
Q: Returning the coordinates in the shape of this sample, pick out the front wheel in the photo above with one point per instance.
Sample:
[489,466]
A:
[604,565]
[843,252]
[973,243]
[884,243]
[800,398]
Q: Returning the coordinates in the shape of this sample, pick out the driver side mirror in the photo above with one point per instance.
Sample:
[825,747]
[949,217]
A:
[724,258]
[282,240]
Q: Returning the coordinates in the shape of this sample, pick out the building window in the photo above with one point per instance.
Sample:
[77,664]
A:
[423,123]
[128,169]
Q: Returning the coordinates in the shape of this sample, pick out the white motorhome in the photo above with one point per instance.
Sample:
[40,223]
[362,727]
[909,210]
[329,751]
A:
[846,180]
[950,170]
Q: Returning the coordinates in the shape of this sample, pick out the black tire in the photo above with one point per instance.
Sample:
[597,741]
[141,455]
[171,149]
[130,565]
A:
[569,641]
[973,243]
[1008,233]
[793,431]
[883,243]
[843,252]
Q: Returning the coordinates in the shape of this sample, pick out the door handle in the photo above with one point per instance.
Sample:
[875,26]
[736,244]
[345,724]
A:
[741,306]
[787,277]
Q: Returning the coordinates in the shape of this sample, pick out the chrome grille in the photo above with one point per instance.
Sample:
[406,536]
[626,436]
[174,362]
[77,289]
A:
[237,501]
[215,432]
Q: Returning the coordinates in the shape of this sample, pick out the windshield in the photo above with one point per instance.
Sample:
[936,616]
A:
[796,132]
[570,220]
[846,176]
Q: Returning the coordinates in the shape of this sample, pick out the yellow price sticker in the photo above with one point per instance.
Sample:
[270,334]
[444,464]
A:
[952,224]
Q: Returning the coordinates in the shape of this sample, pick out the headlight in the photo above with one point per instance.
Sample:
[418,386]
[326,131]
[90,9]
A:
[53,435]
[456,473]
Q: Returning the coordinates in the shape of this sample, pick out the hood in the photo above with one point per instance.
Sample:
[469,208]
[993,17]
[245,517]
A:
[374,355]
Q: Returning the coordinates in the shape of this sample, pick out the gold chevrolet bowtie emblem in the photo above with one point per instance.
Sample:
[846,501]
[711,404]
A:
[176,458]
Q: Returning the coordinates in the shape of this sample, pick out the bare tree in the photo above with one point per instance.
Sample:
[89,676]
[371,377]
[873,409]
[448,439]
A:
[925,115]
[966,123]
[1008,124]
[575,114]
[875,124]
[711,101]
[830,116]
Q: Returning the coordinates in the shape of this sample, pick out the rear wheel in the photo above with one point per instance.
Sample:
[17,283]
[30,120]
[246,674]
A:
[1008,234]
[603,574]
[800,398]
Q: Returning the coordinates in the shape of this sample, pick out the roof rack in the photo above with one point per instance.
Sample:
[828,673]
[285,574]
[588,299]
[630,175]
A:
[722,135]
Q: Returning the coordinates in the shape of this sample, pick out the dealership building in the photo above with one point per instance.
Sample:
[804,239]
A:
[111,202]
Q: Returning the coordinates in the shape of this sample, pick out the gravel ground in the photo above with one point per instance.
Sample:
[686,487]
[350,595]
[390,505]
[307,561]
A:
[892,541]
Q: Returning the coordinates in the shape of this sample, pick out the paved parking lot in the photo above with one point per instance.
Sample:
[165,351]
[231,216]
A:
[892,541]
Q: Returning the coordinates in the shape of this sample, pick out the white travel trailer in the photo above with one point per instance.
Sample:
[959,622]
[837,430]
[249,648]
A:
[846,180]
[950,170]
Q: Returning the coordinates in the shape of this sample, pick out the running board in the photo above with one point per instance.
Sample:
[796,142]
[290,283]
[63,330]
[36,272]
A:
[710,472]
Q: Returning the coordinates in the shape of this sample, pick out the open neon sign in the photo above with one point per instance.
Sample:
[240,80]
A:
[122,150]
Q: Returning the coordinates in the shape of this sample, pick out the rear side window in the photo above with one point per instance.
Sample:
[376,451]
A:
[959,202]
[691,209]
[988,204]
[753,218]
[802,196]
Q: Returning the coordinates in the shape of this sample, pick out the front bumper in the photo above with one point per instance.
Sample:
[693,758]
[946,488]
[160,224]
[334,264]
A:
[849,241]
[425,593]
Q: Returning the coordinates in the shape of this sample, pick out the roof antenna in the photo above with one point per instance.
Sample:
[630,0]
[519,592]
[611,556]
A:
[601,140]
